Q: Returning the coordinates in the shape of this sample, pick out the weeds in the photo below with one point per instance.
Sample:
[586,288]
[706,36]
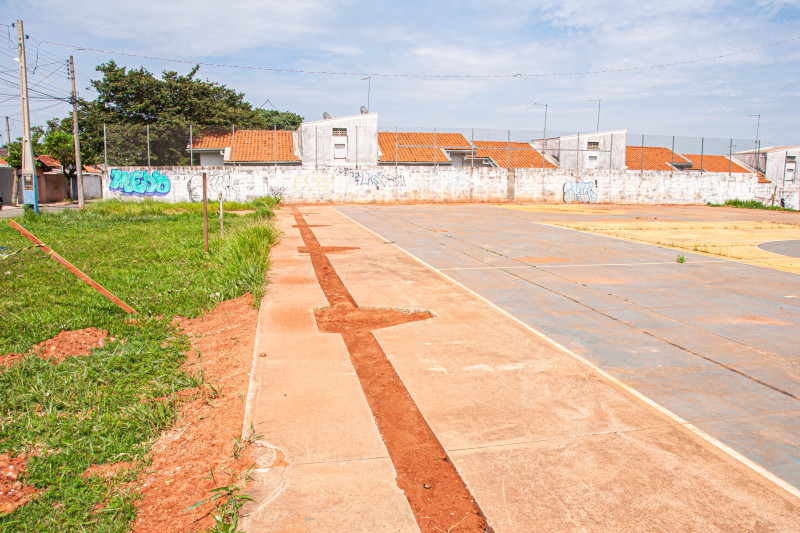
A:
[750,204]
[228,500]
[680,258]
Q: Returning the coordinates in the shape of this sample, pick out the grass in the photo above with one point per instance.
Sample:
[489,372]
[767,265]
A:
[680,258]
[96,409]
[750,204]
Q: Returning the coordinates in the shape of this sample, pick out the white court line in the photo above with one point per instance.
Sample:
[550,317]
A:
[788,487]
[548,265]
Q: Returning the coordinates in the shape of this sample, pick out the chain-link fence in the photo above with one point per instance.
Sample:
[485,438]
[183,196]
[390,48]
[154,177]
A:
[157,145]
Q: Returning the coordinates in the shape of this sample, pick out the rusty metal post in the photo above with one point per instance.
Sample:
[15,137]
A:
[672,162]
[395,150]
[434,149]
[508,151]
[205,213]
[702,150]
[641,170]
[221,223]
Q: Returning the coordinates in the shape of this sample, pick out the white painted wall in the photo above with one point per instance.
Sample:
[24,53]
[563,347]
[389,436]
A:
[426,184]
[316,142]
[573,151]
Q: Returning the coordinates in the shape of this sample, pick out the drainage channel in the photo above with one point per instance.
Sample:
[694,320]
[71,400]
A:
[438,496]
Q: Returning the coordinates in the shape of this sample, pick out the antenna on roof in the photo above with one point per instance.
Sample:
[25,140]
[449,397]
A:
[364,110]
[326,116]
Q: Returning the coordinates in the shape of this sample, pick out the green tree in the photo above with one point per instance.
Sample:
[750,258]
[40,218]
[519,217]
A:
[14,157]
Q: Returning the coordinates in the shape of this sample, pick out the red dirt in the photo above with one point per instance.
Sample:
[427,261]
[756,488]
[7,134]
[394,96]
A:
[202,439]
[13,493]
[66,344]
[107,470]
[436,493]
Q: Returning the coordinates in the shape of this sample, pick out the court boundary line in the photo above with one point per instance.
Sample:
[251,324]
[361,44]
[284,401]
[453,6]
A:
[755,467]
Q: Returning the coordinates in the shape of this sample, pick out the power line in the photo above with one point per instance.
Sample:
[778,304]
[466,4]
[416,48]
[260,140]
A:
[412,75]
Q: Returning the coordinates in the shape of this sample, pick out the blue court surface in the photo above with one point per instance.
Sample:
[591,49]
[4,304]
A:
[714,341]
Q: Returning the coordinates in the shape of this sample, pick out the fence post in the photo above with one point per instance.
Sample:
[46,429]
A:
[508,151]
[148,144]
[578,157]
[611,154]
[395,150]
[205,214]
[275,144]
[730,159]
[641,170]
[105,148]
[316,146]
[233,144]
[434,149]
[472,159]
[672,162]
[356,147]
[221,223]
[702,150]
[191,146]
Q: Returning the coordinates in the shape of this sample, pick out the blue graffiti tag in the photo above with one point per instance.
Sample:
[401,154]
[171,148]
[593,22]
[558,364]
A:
[140,182]
[579,191]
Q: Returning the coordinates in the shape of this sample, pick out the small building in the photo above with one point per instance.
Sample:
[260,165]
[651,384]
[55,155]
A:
[505,154]
[778,164]
[598,150]
[341,141]
[655,158]
[217,148]
[716,163]
[423,148]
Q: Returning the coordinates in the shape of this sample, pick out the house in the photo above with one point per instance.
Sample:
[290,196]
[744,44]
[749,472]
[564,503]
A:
[602,150]
[506,154]
[216,148]
[418,148]
[342,141]
[655,158]
[778,164]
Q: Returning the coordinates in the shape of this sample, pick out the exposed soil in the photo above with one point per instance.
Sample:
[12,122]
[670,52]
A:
[66,344]
[13,493]
[436,493]
[202,440]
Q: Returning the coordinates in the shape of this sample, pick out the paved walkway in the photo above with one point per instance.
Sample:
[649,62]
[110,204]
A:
[711,340]
[544,441]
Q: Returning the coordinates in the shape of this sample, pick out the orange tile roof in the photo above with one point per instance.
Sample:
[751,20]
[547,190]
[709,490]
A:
[655,158]
[49,161]
[251,145]
[522,155]
[419,147]
[715,163]
[3,161]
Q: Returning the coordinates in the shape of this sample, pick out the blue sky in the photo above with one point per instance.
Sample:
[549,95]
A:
[710,98]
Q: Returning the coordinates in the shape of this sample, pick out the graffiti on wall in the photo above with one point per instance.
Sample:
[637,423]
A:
[579,191]
[367,179]
[232,189]
[139,182]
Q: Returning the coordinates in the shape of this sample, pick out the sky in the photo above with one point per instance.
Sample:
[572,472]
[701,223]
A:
[545,41]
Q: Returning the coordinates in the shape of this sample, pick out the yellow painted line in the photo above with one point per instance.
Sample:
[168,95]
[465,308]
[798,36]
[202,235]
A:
[769,476]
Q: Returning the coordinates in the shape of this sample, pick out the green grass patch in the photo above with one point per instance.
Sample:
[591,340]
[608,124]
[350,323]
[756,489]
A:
[98,409]
[749,204]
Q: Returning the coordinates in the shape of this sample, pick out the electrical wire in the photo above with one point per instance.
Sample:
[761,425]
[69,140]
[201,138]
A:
[446,76]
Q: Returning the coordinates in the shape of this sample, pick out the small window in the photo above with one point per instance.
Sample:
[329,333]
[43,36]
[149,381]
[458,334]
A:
[593,145]
[340,132]
[340,151]
[592,162]
[791,166]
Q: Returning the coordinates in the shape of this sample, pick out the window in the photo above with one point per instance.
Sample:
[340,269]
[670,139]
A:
[592,162]
[340,132]
[339,151]
[791,165]
[593,145]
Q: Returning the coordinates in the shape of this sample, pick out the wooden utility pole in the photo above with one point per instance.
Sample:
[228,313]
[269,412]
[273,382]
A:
[15,182]
[78,164]
[29,178]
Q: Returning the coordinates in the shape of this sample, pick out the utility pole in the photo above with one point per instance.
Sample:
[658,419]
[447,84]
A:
[78,164]
[29,182]
[369,88]
[15,182]
[757,146]
[598,113]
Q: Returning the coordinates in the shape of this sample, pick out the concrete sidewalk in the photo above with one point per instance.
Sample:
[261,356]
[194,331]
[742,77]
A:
[544,441]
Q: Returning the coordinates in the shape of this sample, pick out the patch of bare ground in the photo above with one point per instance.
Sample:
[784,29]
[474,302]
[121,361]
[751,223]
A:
[199,454]
[76,343]
[13,493]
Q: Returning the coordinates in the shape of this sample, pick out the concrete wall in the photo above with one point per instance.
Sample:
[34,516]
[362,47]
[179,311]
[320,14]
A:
[7,184]
[573,150]
[426,184]
[315,141]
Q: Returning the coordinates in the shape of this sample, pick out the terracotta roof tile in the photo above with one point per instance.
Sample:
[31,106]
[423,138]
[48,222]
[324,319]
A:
[655,158]
[251,145]
[715,163]
[419,147]
[522,155]
[3,161]
[49,161]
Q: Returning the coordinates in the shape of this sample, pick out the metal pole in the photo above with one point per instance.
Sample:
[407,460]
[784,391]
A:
[77,139]
[758,159]
[316,146]
[730,159]
[105,148]
[544,134]
[27,144]
[369,89]
[14,186]
[233,144]
[472,159]
[598,113]
[508,151]
[434,149]
[672,162]
[191,145]
[275,144]
[356,147]
[395,150]
[578,158]
[641,170]
[611,154]
[702,150]
[205,213]
[221,223]
[147,127]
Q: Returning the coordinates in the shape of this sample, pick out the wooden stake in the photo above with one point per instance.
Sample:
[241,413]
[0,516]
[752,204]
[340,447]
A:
[205,213]
[69,266]
[221,223]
